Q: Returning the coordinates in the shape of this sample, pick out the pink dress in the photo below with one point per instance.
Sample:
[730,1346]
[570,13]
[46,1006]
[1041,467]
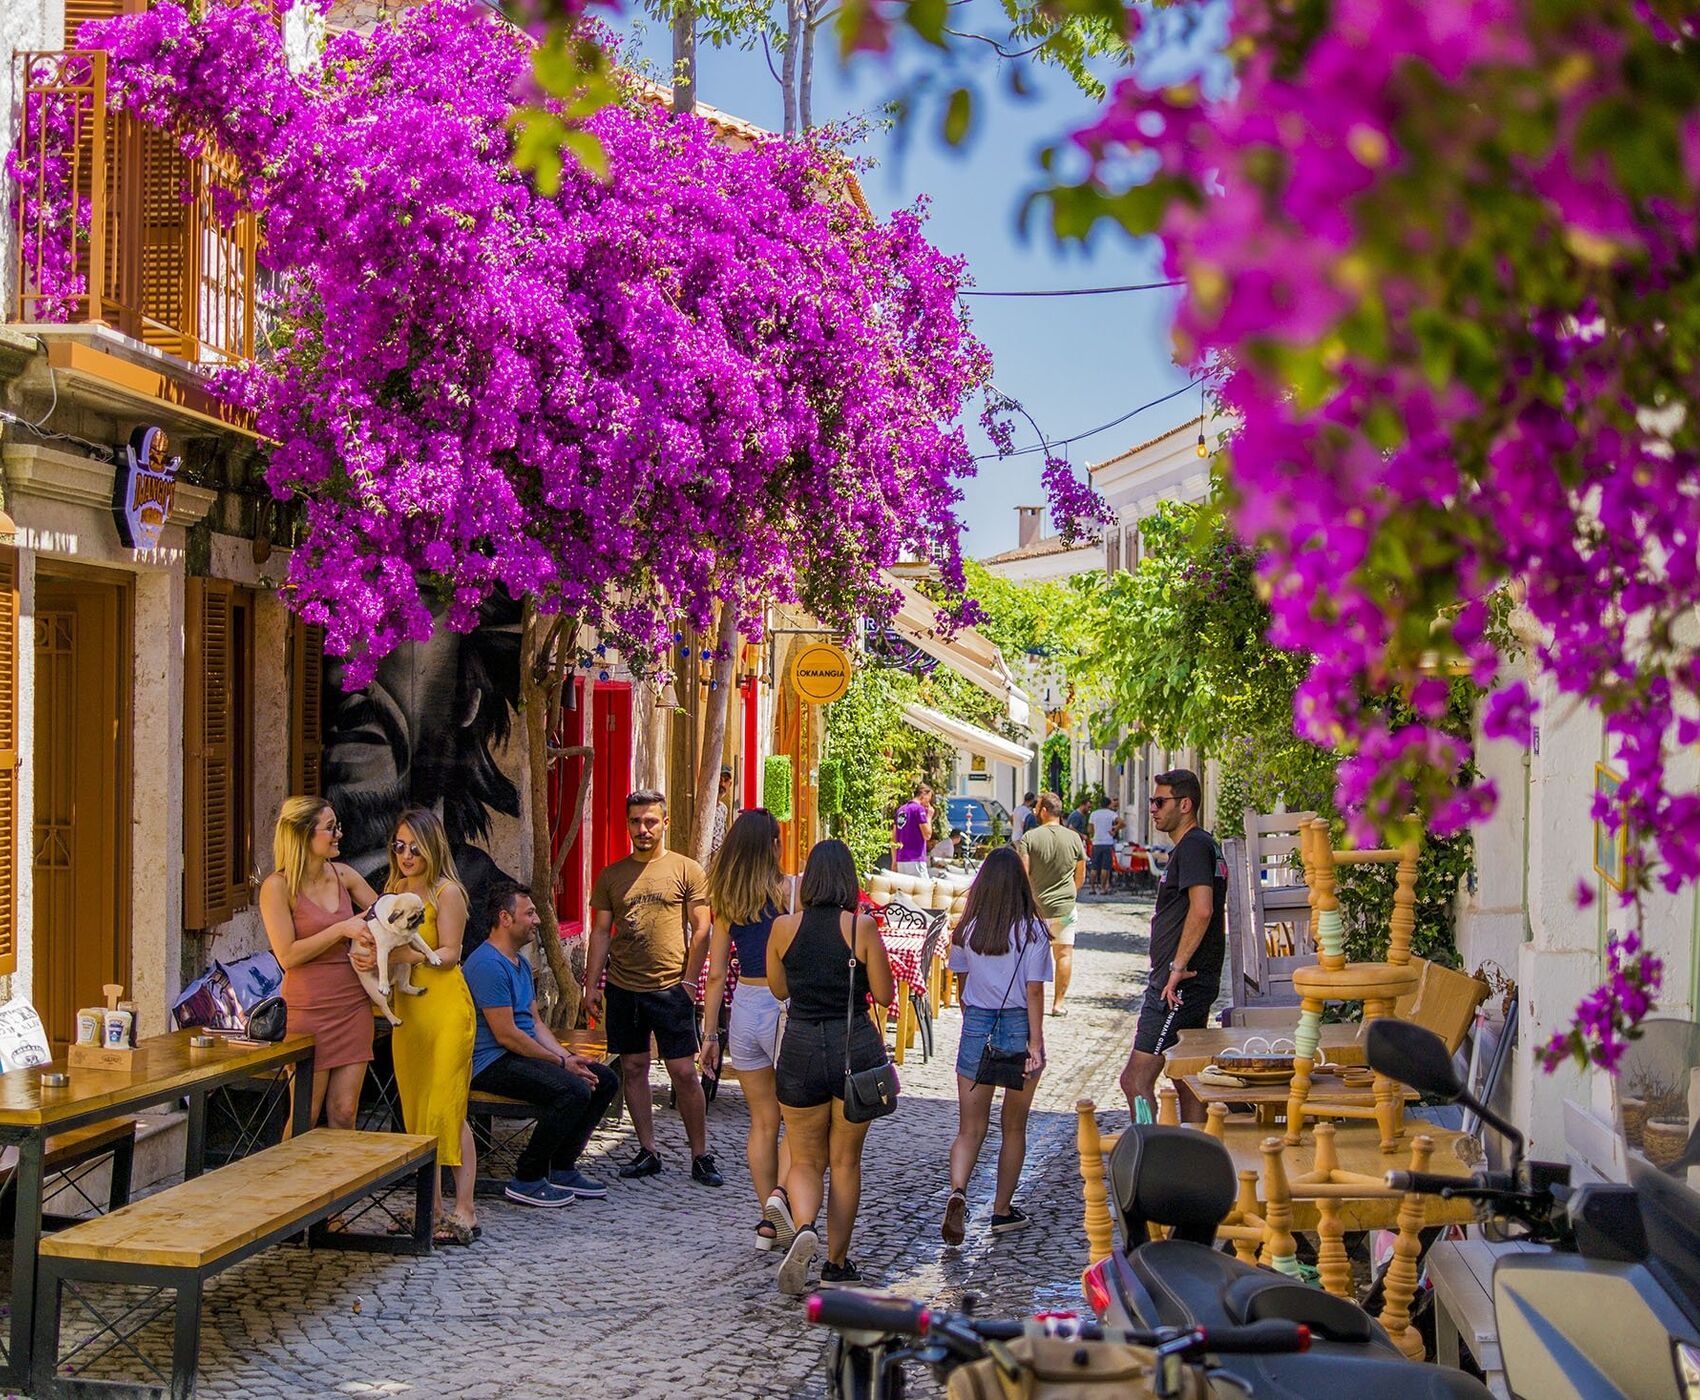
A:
[324,996]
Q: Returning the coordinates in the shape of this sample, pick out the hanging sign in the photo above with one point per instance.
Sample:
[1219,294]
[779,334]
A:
[820,673]
[143,488]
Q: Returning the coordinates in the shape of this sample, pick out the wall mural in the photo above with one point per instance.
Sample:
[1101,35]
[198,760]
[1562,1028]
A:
[433,729]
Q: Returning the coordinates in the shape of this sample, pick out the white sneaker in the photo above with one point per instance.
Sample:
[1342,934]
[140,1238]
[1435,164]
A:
[778,1215]
[794,1269]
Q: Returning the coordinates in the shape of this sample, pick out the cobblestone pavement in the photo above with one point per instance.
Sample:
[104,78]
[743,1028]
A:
[657,1290]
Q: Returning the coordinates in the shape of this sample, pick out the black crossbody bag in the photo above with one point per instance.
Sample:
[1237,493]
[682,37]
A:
[1004,1069]
[868,1093]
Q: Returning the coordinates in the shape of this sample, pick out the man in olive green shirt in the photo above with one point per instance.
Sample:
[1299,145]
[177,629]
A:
[1056,865]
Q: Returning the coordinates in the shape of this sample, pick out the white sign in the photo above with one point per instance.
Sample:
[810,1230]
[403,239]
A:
[23,1039]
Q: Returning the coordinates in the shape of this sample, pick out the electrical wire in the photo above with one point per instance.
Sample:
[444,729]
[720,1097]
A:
[1075,291]
[1090,432]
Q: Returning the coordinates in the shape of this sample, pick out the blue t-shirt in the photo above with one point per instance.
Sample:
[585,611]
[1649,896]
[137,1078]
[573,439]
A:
[497,982]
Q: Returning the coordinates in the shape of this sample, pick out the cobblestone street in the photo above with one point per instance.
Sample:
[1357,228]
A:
[657,1291]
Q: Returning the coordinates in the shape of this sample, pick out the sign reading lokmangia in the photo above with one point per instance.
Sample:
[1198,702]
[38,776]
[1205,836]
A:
[143,488]
[820,673]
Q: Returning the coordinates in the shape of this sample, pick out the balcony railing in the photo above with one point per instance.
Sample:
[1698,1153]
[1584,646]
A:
[116,225]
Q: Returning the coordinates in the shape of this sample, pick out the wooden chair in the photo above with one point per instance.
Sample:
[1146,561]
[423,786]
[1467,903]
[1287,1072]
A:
[1378,986]
[1279,895]
[1260,979]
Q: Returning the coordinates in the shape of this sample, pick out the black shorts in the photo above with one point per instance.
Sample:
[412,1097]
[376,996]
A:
[632,1017]
[811,1059]
[1160,1024]
[1103,858]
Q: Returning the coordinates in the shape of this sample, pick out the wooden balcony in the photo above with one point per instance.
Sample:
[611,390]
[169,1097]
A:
[162,245]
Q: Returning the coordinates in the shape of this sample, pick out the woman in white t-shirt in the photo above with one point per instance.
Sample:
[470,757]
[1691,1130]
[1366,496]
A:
[1003,950]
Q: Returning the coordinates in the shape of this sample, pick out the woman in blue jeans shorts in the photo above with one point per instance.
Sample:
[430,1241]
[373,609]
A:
[1003,950]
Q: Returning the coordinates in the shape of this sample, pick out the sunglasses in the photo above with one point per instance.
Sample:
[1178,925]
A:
[408,848]
[1157,803]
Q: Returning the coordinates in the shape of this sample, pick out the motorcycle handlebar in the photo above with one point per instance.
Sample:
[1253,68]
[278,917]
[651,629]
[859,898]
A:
[847,1310]
[1427,1183]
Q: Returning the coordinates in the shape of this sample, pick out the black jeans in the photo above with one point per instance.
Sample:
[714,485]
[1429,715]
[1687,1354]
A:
[569,1109]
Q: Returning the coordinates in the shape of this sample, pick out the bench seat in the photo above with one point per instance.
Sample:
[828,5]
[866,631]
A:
[66,1151]
[180,1236]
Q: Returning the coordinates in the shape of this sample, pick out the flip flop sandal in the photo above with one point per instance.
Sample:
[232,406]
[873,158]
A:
[450,1231]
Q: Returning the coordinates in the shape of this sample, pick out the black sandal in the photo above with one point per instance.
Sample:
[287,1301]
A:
[766,1234]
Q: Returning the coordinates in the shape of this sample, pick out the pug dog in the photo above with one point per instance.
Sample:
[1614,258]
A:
[394,921]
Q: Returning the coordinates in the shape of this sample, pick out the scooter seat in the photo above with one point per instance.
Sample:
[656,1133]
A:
[1194,1285]
[1259,1296]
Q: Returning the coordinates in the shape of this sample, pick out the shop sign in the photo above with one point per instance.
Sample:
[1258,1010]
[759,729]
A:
[820,673]
[144,487]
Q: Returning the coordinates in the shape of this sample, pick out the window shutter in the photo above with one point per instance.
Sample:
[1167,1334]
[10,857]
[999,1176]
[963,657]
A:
[209,786]
[8,760]
[306,709]
[79,12]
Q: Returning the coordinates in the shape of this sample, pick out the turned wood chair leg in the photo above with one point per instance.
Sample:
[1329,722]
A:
[1280,1249]
[1100,1232]
[1400,1285]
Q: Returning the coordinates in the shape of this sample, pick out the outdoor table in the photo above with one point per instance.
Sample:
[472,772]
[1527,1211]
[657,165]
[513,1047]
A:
[1269,1100]
[903,949]
[1195,1049]
[166,1068]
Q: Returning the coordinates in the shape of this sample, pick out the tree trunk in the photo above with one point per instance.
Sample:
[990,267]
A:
[685,58]
[543,676]
[714,733]
[789,59]
[806,78]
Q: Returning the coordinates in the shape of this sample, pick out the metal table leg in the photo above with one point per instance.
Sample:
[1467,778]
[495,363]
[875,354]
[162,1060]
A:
[195,1149]
[25,1239]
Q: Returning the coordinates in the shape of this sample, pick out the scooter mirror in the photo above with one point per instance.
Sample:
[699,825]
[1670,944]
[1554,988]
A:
[1413,1056]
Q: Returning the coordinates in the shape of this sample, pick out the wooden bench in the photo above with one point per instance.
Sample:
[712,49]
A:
[64,1152]
[180,1237]
[1461,1272]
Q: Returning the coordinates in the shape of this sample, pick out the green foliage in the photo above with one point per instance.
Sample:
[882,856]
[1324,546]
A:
[880,755]
[777,787]
[1366,900]
[1037,620]
[1093,793]
[829,796]
[1058,753]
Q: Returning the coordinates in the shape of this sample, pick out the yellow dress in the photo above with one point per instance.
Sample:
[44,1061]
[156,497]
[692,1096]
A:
[433,1051]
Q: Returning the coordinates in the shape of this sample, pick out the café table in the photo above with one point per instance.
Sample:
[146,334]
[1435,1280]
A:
[905,948]
[166,1068]
[1193,1050]
[1268,1100]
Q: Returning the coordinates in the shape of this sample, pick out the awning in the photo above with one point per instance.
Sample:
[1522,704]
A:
[967,736]
[967,653]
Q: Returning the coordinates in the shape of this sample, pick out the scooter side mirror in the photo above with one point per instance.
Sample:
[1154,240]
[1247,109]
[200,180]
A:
[1412,1055]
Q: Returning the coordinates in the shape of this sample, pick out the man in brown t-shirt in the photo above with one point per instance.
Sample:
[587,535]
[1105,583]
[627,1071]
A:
[649,931]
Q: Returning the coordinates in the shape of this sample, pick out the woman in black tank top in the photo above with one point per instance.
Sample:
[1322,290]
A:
[809,958]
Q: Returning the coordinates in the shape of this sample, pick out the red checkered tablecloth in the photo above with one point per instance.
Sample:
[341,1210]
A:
[903,948]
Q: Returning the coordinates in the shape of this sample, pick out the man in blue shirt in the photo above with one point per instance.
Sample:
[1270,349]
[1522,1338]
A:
[514,1054]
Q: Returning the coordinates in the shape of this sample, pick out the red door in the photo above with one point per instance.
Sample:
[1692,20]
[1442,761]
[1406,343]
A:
[563,788]
[611,706]
[752,764]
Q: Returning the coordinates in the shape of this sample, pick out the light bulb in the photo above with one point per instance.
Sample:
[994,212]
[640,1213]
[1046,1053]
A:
[1202,449]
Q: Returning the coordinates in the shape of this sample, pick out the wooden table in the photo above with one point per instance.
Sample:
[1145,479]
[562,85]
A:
[1270,1100]
[166,1068]
[1195,1049]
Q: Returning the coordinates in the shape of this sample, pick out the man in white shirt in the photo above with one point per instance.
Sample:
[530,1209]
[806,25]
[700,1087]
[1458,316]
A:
[1104,824]
[1023,818]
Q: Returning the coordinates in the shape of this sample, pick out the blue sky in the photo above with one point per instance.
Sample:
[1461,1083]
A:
[1073,362]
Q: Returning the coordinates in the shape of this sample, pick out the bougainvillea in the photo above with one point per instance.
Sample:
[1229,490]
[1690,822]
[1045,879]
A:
[1610,1016]
[707,375]
[1446,249]
[52,219]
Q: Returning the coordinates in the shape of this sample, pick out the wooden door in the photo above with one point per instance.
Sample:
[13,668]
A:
[82,674]
[612,780]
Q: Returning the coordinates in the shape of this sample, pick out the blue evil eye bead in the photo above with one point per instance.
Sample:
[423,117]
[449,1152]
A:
[684,651]
[678,636]
[714,685]
[601,675]
[602,648]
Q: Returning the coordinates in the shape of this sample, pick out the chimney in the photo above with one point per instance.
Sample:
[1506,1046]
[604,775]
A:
[1027,521]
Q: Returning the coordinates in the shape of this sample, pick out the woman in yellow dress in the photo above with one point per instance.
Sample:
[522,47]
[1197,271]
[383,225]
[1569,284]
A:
[433,1043]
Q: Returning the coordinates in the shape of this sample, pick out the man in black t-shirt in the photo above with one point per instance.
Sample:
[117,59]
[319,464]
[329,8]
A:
[1188,938]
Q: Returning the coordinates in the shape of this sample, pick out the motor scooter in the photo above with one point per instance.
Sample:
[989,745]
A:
[1611,1308]
[1184,1179]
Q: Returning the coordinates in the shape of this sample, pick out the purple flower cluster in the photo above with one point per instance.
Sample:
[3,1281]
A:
[707,376]
[53,220]
[1446,249]
[1610,1016]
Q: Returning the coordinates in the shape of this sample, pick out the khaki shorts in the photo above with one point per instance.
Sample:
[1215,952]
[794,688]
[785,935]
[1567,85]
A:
[1063,929]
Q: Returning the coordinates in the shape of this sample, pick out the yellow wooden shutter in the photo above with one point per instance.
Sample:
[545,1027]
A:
[78,12]
[209,788]
[306,709]
[8,760]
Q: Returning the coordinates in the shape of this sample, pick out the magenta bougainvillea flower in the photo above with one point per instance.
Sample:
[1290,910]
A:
[706,375]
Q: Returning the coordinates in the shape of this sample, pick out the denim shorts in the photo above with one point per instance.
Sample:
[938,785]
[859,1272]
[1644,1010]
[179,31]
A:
[1006,1030]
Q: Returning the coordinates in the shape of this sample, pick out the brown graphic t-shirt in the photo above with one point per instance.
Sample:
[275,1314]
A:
[651,902]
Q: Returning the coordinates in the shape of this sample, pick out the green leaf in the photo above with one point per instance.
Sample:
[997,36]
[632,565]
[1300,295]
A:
[927,18]
[958,116]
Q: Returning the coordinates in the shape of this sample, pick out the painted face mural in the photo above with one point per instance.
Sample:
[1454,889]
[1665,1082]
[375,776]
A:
[430,730]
